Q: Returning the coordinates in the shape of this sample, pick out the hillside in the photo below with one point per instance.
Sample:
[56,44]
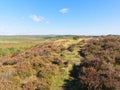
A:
[64,64]
[42,67]
[100,66]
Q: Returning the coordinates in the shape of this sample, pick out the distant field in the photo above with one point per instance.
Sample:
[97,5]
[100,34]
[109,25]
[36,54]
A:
[11,44]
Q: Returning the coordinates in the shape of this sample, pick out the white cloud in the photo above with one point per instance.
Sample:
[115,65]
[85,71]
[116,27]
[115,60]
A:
[64,10]
[47,22]
[36,18]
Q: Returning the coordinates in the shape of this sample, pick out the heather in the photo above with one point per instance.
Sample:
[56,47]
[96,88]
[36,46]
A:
[62,63]
[99,68]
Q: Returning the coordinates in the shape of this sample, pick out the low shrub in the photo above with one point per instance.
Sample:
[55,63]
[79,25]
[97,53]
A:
[100,68]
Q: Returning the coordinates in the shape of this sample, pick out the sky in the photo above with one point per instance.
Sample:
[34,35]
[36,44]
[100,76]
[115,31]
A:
[60,17]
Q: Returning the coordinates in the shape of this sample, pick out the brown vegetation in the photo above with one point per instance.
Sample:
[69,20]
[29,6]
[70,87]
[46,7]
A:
[100,68]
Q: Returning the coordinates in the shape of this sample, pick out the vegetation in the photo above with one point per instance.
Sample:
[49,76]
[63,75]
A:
[100,68]
[39,67]
[60,63]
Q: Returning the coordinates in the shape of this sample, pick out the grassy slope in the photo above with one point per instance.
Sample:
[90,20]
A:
[23,68]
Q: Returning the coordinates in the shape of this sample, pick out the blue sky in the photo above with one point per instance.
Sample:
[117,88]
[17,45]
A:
[79,17]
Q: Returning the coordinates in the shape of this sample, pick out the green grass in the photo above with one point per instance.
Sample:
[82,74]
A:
[59,80]
[11,44]
[73,57]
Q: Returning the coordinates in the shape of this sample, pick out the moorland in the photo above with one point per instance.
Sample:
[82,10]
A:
[60,62]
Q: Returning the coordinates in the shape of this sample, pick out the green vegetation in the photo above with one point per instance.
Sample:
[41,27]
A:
[11,44]
[60,63]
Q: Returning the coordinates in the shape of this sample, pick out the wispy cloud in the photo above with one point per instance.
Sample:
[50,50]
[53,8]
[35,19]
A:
[36,18]
[47,22]
[64,10]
